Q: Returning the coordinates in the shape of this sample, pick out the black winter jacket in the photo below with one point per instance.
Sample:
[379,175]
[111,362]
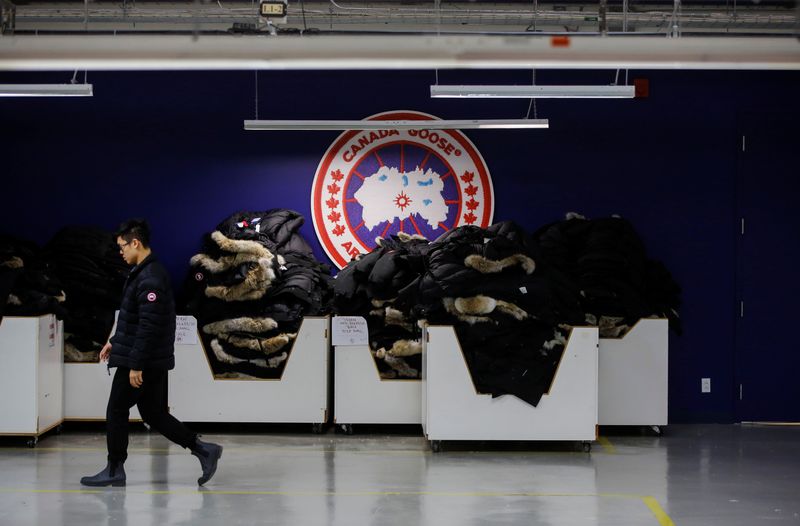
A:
[145,335]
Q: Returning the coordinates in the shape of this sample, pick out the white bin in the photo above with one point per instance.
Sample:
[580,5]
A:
[86,389]
[633,376]
[299,396]
[361,396]
[453,410]
[31,375]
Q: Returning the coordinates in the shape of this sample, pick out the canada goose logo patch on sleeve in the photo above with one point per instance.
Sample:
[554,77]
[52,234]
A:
[151,296]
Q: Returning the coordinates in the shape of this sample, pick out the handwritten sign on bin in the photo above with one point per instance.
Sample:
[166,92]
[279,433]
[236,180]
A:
[350,330]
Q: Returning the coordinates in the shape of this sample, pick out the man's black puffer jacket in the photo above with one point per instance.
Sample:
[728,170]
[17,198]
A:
[145,335]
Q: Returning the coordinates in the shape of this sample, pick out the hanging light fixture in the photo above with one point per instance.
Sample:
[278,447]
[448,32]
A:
[468,124]
[46,90]
[533,92]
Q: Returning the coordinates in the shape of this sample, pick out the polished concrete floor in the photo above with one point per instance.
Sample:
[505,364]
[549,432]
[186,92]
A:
[692,476]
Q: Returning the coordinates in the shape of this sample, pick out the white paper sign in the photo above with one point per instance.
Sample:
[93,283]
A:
[350,330]
[185,330]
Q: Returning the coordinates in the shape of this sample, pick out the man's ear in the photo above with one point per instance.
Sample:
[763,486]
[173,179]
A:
[136,243]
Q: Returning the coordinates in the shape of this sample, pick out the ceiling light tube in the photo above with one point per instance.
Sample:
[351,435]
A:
[45,90]
[530,92]
[483,124]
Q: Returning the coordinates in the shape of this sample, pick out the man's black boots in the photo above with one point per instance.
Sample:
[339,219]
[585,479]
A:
[208,454]
[112,475]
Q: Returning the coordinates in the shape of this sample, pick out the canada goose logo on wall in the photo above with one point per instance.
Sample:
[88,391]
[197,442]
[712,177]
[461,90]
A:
[375,183]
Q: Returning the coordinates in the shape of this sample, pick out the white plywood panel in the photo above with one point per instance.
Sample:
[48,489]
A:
[362,397]
[299,396]
[18,376]
[31,374]
[633,376]
[455,411]
[86,390]
[51,372]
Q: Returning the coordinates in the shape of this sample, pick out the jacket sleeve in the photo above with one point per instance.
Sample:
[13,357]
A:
[153,313]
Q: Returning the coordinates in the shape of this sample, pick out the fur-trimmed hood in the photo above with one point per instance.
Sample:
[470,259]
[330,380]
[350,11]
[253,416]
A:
[250,325]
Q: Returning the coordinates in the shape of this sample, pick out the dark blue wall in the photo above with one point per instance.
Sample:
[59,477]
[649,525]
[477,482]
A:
[170,147]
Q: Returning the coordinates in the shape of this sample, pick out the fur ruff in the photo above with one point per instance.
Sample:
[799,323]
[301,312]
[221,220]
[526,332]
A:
[450,307]
[264,345]
[405,348]
[254,286]
[400,365]
[13,300]
[558,339]
[240,246]
[480,304]
[215,266]
[493,266]
[14,262]
[575,215]
[72,354]
[234,376]
[396,317]
[475,305]
[512,310]
[382,303]
[611,326]
[251,325]
[224,357]
[405,237]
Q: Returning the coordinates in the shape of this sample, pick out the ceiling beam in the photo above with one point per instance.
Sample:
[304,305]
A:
[67,53]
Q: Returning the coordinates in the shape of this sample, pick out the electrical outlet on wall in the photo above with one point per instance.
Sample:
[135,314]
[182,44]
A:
[705,385]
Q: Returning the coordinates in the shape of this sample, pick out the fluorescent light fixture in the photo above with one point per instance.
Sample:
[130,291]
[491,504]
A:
[482,124]
[45,90]
[529,92]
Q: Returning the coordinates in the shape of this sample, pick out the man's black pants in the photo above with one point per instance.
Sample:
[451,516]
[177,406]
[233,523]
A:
[150,398]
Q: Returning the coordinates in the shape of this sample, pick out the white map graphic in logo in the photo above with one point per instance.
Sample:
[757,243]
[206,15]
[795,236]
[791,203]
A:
[390,194]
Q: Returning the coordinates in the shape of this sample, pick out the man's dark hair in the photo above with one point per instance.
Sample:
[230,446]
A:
[134,229]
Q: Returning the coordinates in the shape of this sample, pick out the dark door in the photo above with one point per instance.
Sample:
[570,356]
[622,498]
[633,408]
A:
[768,271]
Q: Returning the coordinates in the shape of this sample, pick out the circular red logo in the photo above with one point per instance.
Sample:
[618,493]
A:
[375,183]
[151,296]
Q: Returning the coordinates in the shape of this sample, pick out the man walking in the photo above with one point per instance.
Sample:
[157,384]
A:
[142,349]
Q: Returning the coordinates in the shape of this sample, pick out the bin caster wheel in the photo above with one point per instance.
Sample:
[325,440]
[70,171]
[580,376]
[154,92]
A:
[347,429]
[32,442]
[436,446]
[587,447]
[316,428]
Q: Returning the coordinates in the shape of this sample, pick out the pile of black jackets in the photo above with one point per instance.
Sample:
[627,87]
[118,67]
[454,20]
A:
[87,262]
[250,287]
[606,260]
[511,297]
[381,286]
[27,286]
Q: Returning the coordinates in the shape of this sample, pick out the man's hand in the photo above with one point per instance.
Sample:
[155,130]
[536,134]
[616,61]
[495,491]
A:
[136,378]
[105,352]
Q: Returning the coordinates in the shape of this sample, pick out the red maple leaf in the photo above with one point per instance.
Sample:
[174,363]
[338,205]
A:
[334,216]
[333,189]
[467,177]
[470,218]
[337,175]
[338,230]
[472,204]
[471,190]
[332,203]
